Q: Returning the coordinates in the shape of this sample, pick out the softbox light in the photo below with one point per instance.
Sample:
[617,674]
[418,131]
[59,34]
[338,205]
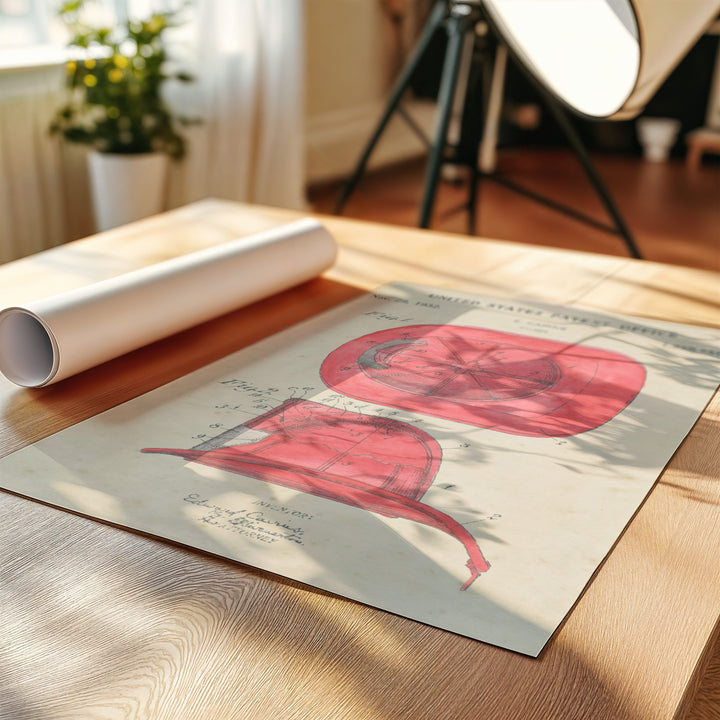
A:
[602,58]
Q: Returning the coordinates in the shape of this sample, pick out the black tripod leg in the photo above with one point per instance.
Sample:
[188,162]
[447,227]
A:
[456,27]
[475,125]
[473,192]
[577,145]
[434,21]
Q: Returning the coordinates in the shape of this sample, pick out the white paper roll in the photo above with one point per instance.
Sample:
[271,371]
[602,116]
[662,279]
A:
[50,339]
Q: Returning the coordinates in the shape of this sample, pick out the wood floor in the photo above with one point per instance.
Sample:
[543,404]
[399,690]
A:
[672,212]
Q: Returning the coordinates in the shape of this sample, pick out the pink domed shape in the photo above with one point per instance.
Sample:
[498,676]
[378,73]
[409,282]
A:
[511,383]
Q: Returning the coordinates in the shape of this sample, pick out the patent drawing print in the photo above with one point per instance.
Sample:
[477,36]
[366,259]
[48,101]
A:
[510,383]
[373,463]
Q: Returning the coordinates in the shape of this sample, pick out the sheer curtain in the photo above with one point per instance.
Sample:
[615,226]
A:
[248,60]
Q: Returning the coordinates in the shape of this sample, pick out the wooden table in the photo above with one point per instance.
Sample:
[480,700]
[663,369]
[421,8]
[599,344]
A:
[98,622]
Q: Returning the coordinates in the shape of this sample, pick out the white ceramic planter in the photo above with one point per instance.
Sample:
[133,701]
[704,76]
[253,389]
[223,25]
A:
[657,135]
[126,187]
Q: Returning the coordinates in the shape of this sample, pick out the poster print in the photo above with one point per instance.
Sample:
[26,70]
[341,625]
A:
[464,461]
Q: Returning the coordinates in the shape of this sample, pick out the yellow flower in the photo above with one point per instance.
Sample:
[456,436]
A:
[89,64]
[71,67]
[115,75]
[155,24]
[120,61]
[90,80]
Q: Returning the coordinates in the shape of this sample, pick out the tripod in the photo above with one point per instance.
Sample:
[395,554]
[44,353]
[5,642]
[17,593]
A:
[460,18]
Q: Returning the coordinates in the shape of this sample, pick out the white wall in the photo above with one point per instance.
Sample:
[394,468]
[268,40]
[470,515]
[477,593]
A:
[43,182]
[353,54]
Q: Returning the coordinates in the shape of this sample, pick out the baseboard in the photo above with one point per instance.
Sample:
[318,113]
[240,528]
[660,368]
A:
[335,140]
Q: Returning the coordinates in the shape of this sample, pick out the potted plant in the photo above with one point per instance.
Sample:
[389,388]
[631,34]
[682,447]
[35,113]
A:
[115,106]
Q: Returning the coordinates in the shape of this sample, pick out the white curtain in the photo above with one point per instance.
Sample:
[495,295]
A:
[248,60]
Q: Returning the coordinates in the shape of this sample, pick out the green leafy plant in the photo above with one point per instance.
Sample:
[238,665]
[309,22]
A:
[114,86]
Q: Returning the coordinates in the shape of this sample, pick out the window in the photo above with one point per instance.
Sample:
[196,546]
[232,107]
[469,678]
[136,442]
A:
[31,33]
[23,23]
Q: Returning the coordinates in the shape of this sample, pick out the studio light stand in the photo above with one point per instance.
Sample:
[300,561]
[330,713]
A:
[460,18]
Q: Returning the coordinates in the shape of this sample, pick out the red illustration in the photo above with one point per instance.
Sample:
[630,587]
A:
[512,383]
[373,463]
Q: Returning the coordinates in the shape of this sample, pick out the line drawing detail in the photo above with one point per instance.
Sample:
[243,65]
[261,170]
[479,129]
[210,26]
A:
[506,382]
[377,464]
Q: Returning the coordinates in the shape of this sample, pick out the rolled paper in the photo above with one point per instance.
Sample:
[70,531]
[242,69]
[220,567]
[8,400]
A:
[53,338]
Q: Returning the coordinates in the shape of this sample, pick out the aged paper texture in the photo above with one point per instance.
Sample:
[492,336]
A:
[463,461]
